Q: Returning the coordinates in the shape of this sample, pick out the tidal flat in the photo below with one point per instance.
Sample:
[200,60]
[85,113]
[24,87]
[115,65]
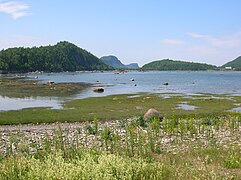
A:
[117,107]
[107,137]
[20,87]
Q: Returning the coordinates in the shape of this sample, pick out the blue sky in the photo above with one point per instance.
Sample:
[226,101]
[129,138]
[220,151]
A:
[140,31]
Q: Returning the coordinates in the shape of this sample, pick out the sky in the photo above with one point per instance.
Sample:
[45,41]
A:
[206,31]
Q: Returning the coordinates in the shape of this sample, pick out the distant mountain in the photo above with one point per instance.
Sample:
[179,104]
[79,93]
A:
[132,66]
[114,62]
[63,56]
[235,64]
[172,65]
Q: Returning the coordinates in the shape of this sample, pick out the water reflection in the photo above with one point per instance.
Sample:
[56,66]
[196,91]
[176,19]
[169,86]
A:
[185,106]
[179,83]
[237,109]
[21,103]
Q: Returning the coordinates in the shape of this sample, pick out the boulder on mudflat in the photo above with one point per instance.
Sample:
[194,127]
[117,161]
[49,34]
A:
[50,82]
[152,113]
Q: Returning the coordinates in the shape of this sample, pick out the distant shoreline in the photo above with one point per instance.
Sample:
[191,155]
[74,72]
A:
[118,70]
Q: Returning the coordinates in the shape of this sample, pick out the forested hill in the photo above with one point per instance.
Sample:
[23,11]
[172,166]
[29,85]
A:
[63,56]
[171,65]
[235,64]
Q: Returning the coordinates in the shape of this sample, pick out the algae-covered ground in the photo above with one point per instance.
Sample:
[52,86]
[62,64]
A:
[17,87]
[116,107]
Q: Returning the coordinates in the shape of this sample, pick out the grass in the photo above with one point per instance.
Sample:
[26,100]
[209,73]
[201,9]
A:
[115,107]
[88,165]
[101,165]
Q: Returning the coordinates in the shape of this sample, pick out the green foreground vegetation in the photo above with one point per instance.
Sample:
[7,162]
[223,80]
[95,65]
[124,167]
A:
[176,148]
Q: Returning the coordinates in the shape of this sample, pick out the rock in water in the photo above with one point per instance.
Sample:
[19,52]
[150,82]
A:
[99,90]
[152,113]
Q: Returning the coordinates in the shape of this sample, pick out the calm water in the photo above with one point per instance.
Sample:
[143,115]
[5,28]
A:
[178,82]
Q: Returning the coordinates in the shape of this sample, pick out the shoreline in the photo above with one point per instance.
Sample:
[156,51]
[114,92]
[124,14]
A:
[117,70]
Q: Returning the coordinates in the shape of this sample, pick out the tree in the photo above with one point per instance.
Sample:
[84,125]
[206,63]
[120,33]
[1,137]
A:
[63,56]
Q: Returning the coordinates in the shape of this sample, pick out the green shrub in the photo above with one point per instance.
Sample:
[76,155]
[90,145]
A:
[233,161]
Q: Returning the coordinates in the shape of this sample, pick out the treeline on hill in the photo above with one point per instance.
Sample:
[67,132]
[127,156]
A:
[235,64]
[63,56]
[167,65]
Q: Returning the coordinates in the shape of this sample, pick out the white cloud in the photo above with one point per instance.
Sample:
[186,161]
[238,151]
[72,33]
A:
[173,41]
[196,35]
[201,49]
[231,41]
[14,9]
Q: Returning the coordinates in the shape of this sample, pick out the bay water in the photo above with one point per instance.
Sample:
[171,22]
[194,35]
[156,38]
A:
[181,82]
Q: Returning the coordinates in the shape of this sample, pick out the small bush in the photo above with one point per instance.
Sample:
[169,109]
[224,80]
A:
[142,122]
[210,121]
[233,162]
[90,130]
